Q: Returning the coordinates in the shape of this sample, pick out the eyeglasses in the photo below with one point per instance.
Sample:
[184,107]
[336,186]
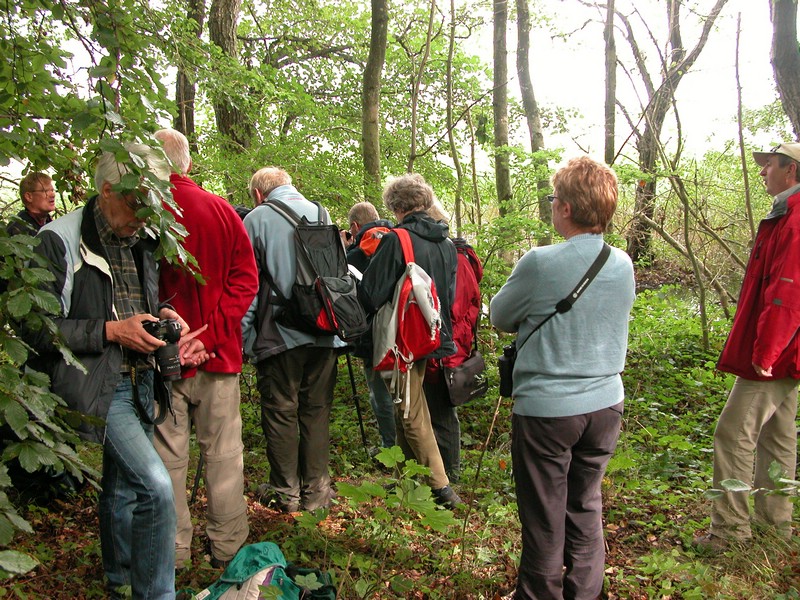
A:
[46,191]
[551,197]
[134,202]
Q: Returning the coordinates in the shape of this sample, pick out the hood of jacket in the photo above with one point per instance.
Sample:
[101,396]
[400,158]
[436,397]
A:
[425,227]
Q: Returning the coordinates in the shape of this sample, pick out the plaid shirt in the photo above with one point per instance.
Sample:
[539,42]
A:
[129,297]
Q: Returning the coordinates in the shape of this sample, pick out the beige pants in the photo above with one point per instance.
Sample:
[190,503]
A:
[210,401]
[415,433]
[755,429]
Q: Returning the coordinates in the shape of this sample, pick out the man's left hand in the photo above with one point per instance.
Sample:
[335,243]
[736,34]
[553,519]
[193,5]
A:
[193,352]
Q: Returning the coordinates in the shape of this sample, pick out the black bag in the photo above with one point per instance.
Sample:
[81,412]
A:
[467,381]
[505,363]
[505,368]
[324,298]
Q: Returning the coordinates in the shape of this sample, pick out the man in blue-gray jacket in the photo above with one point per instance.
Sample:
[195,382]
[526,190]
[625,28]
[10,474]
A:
[296,370]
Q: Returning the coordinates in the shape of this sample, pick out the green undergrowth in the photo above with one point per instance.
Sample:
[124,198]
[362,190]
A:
[385,538]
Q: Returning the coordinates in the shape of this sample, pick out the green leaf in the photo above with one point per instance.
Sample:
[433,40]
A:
[15,416]
[775,471]
[735,485]
[401,585]
[309,582]
[16,350]
[19,304]
[17,562]
[438,520]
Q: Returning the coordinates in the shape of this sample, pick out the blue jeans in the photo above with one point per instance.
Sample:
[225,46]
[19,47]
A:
[137,511]
[382,405]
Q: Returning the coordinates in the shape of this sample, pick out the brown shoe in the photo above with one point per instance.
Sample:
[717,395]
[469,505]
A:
[710,543]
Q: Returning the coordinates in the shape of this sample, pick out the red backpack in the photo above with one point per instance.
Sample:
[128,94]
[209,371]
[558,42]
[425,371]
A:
[371,238]
[407,328]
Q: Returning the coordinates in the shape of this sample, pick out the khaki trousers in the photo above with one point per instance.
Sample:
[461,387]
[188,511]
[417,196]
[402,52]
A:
[211,402]
[756,427]
[415,433]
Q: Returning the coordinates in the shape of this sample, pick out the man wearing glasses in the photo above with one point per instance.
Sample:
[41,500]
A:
[39,199]
[757,426]
[106,279]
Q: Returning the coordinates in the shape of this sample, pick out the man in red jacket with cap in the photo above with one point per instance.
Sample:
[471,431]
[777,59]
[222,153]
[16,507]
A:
[757,426]
[208,392]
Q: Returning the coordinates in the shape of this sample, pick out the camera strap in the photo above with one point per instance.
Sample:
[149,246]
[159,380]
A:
[161,394]
[565,304]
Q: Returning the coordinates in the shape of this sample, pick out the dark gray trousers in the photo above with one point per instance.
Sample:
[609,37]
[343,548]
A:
[296,390]
[446,427]
[559,465]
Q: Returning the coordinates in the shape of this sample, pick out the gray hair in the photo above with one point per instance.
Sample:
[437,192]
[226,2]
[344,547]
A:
[267,179]
[111,171]
[176,147]
[408,193]
[363,213]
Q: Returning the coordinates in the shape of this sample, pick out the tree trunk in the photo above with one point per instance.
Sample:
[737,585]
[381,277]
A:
[785,59]
[531,108]
[370,101]
[675,64]
[502,172]
[415,87]
[231,120]
[611,85]
[185,85]
[451,138]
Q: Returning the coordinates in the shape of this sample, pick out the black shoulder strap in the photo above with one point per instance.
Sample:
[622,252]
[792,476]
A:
[294,220]
[291,216]
[565,304]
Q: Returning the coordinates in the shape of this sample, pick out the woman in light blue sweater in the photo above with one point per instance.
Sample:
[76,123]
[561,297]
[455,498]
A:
[568,394]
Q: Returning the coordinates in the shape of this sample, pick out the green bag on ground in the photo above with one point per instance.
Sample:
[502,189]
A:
[262,565]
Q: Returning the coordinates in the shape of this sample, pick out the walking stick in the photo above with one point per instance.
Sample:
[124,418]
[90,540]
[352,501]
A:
[197,476]
[358,405]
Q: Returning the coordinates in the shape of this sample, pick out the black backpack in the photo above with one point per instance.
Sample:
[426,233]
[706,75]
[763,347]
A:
[324,298]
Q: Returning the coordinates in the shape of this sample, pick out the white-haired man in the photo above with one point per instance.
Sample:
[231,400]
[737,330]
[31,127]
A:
[296,370]
[107,281]
[208,392]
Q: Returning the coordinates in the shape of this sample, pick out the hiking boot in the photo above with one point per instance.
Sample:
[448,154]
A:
[714,543]
[446,496]
[218,563]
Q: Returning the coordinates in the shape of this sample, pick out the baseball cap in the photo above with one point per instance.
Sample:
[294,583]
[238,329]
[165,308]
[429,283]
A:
[790,150]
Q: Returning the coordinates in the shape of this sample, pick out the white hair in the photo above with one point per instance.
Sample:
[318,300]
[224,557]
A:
[176,147]
[109,170]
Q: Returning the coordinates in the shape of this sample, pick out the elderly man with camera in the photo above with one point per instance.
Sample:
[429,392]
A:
[106,279]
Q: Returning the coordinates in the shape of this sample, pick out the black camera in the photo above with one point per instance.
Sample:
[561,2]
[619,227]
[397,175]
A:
[168,357]
[505,368]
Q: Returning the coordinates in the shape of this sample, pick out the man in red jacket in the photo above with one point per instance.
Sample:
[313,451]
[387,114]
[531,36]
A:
[208,391]
[757,425]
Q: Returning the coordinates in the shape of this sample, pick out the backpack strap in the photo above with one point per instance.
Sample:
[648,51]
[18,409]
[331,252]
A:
[405,244]
[283,209]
